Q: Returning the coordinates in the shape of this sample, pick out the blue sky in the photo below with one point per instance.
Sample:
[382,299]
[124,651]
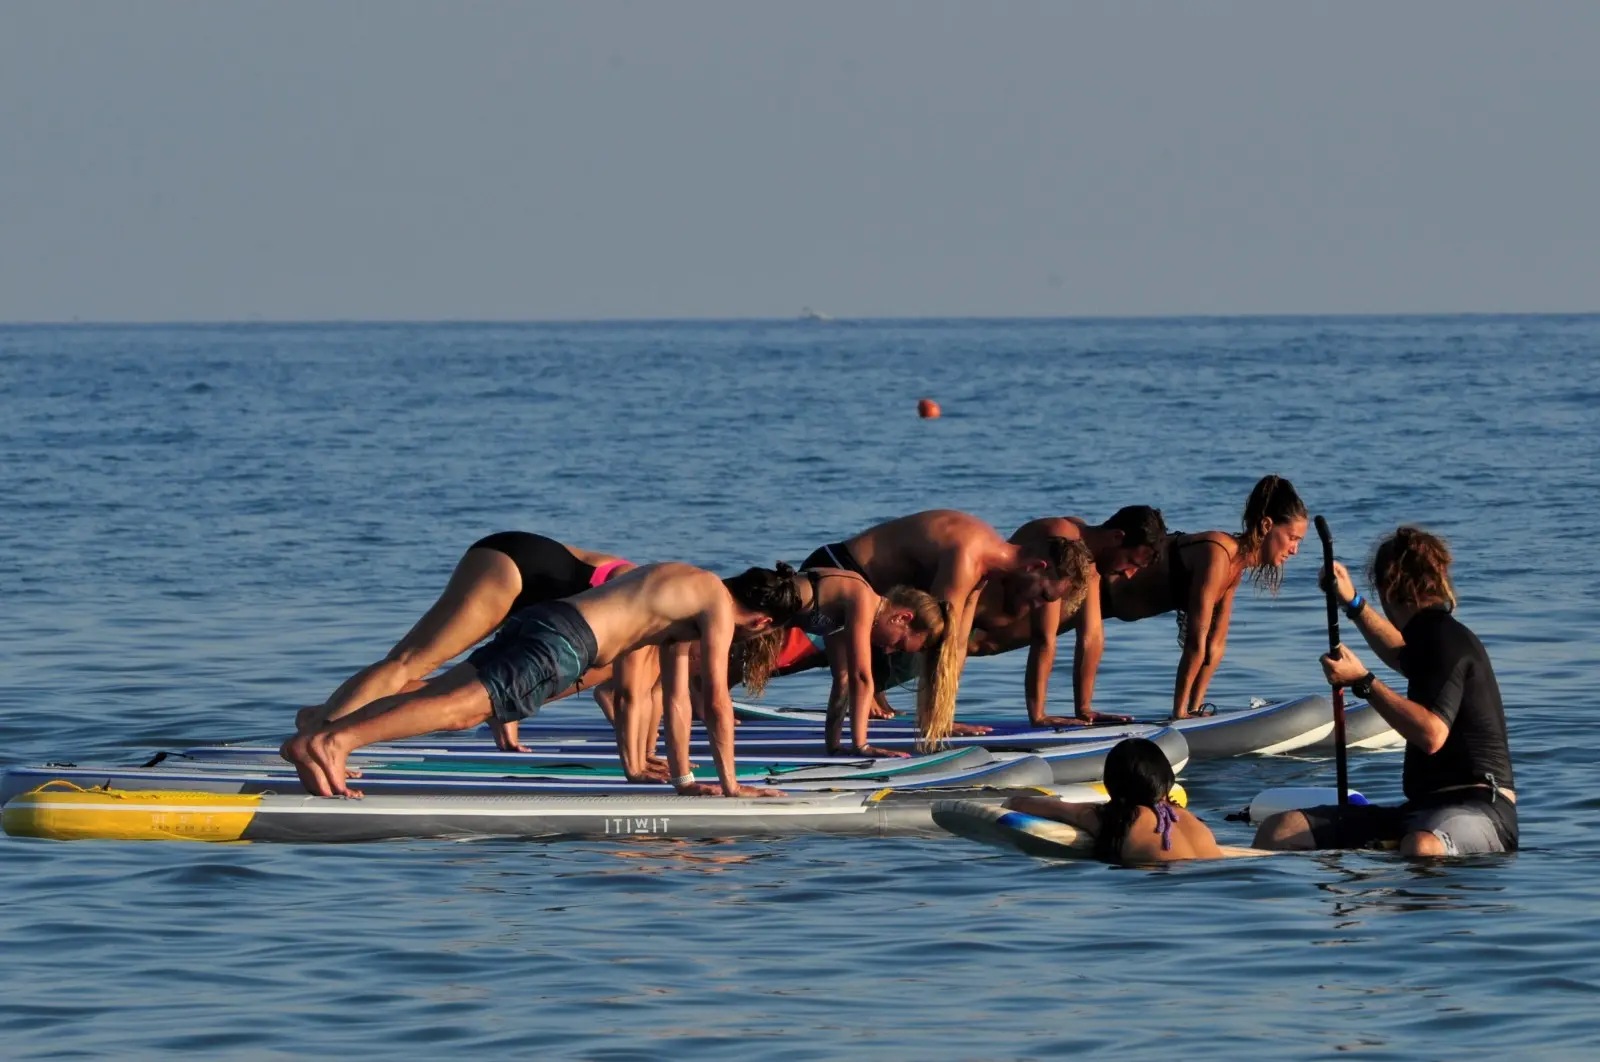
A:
[397,160]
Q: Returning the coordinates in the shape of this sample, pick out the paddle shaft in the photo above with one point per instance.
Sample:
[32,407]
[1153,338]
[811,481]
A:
[1341,766]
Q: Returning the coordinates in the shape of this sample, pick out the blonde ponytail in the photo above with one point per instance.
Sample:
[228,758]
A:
[941,679]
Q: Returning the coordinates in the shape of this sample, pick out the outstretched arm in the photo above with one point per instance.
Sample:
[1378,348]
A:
[1083,816]
[1043,620]
[1210,586]
[838,696]
[854,646]
[1086,654]
[1216,646]
[675,668]
[716,635]
[635,722]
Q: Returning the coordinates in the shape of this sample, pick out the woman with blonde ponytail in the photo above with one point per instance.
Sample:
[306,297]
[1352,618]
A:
[1197,576]
[844,623]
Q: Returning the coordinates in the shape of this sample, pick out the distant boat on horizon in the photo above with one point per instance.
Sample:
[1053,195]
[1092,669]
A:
[808,314]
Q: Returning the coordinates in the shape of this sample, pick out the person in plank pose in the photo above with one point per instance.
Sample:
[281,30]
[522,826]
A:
[1198,575]
[950,555]
[1123,544]
[543,649]
[1139,824]
[497,576]
[843,623]
[1461,797]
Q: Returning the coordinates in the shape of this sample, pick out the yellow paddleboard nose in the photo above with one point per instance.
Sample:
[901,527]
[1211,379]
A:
[65,812]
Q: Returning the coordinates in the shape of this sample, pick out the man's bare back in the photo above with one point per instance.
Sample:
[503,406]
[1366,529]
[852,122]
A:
[657,604]
[916,550]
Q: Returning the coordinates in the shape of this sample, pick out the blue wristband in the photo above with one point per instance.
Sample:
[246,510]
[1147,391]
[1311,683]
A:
[1354,607]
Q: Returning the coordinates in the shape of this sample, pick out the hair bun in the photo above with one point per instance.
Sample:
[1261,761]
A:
[784,570]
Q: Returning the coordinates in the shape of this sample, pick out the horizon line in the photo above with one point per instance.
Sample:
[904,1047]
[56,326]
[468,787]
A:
[825,320]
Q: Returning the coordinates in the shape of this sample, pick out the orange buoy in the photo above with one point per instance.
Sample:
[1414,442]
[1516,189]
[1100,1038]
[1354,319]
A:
[928,409]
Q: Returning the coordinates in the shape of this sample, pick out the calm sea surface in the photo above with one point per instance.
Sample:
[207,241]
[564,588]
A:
[204,527]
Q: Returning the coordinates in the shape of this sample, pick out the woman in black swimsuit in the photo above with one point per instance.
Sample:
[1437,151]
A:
[498,575]
[1197,576]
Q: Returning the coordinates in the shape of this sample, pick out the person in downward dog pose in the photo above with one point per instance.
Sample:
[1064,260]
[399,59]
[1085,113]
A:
[1140,824]
[543,649]
[950,555]
[843,623]
[1461,798]
[1125,543]
[1198,575]
[499,575]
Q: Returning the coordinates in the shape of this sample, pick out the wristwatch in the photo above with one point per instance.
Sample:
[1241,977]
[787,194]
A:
[1353,609]
[1362,687]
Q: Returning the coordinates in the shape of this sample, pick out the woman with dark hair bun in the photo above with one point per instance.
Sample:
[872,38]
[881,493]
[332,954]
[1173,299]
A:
[1197,576]
[1139,824]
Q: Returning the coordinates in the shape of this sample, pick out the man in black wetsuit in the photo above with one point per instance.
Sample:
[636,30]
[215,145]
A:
[1460,794]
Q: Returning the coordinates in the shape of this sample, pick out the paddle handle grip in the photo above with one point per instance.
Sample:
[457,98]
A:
[1340,762]
[1332,595]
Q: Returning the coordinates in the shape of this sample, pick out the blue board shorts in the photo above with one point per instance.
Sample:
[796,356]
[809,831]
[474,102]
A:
[537,653]
[1464,822]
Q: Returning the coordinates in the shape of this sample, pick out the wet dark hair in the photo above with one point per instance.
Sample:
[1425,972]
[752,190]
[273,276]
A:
[1274,499]
[768,590]
[1140,526]
[1063,557]
[1411,568]
[1137,775]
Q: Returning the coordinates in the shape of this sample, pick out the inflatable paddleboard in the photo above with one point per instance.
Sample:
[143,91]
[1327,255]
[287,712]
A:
[1264,729]
[1364,728]
[1270,802]
[973,768]
[890,734]
[1082,761]
[68,813]
[990,823]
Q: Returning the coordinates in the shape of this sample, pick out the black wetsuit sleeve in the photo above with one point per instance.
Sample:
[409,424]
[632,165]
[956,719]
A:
[1436,668]
[1441,689]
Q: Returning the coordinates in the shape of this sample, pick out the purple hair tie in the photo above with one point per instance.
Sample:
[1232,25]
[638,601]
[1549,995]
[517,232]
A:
[1166,818]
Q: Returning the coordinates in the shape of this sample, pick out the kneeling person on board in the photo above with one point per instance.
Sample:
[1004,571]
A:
[1140,823]
[1127,542]
[1460,794]
[540,650]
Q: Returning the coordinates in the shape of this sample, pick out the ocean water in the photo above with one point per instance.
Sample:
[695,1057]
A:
[206,526]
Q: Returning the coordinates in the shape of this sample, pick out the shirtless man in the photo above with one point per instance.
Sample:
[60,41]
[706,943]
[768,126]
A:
[950,555]
[1125,543]
[541,650]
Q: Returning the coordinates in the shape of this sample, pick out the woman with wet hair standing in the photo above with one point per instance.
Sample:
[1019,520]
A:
[1197,577]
